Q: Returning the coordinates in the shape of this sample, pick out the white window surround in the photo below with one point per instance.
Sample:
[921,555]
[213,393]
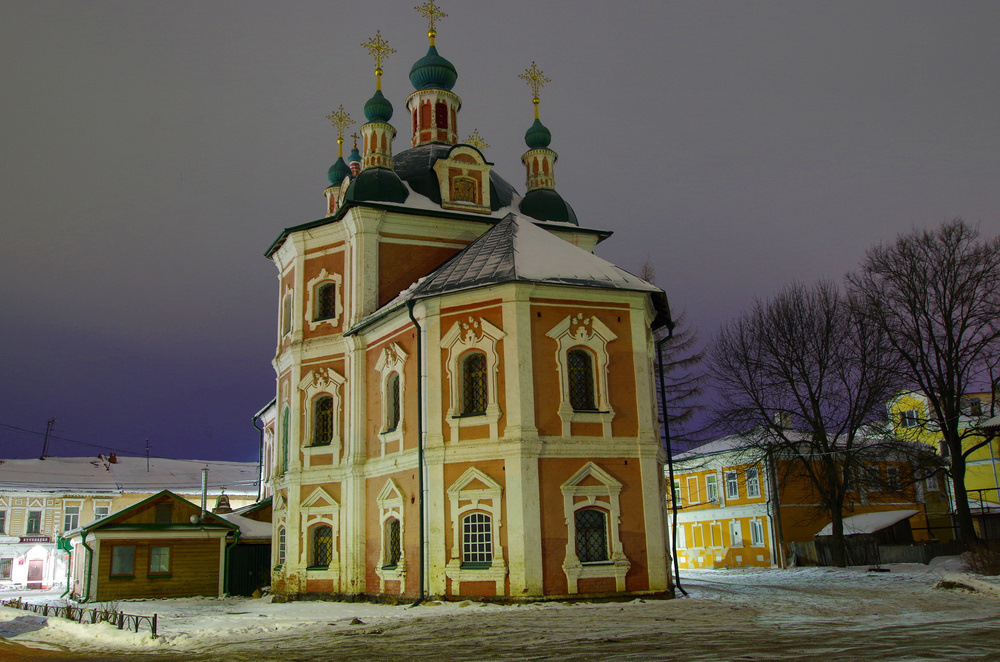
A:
[606,496]
[443,167]
[391,361]
[582,331]
[280,542]
[311,289]
[390,506]
[313,384]
[475,491]
[320,508]
[753,482]
[478,334]
[287,304]
[756,533]
[712,488]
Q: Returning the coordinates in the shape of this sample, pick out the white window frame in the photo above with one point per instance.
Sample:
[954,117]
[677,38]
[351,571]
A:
[590,332]
[27,520]
[736,533]
[462,501]
[68,524]
[678,495]
[312,290]
[390,506]
[312,385]
[756,533]
[712,488]
[106,505]
[287,301]
[472,334]
[694,490]
[281,546]
[320,508]
[753,486]
[732,484]
[909,418]
[392,360]
[604,495]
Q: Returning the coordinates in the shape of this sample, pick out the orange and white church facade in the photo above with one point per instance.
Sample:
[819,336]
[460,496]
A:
[465,403]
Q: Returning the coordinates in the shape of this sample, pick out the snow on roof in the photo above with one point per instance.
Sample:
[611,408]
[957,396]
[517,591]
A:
[249,528]
[126,475]
[869,522]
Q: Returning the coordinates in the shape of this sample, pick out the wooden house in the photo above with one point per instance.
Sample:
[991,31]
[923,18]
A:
[161,547]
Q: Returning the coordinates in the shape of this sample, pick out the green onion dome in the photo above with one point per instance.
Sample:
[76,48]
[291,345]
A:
[338,171]
[433,72]
[545,204]
[378,108]
[537,136]
[354,156]
[376,184]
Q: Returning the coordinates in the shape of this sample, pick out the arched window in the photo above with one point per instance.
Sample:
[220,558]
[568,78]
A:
[581,379]
[285,429]
[326,301]
[393,544]
[392,402]
[441,115]
[281,545]
[322,431]
[477,539]
[474,383]
[322,546]
[591,535]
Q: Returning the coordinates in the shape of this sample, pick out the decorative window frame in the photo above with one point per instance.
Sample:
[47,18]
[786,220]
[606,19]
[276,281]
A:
[732,486]
[287,312]
[320,508]
[392,360]
[463,501]
[281,546]
[577,496]
[474,334]
[390,506]
[72,503]
[756,522]
[464,159]
[711,488]
[753,486]
[312,385]
[590,332]
[311,298]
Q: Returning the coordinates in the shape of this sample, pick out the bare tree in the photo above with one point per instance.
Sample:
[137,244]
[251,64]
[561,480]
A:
[804,381]
[936,294]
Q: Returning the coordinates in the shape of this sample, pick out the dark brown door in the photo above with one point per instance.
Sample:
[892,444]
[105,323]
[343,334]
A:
[35,574]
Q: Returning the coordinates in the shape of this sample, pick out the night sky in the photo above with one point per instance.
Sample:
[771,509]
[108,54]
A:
[151,152]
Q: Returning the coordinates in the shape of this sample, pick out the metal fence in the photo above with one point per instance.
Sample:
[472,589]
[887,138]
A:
[119,619]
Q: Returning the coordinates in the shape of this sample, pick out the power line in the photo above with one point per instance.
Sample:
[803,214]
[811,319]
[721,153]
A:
[70,441]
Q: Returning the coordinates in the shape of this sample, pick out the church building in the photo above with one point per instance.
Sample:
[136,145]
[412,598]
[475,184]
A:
[465,403]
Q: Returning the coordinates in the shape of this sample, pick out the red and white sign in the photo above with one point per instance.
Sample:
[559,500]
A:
[36,539]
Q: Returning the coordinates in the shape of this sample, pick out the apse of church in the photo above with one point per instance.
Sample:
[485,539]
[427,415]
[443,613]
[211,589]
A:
[464,391]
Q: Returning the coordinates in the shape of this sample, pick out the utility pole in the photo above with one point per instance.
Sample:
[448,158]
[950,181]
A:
[48,431]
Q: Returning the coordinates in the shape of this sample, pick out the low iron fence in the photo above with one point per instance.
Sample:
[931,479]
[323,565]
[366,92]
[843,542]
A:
[119,619]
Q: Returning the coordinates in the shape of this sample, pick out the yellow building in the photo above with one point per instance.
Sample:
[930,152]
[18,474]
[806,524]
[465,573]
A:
[734,513]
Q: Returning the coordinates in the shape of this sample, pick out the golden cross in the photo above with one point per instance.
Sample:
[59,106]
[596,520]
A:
[433,14]
[340,119]
[355,136]
[536,80]
[379,49]
[477,141]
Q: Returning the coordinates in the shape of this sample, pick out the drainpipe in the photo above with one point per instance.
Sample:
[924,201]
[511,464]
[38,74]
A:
[225,564]
[420,448]
[90,564]
[774,503]
[670,462]
[260,455]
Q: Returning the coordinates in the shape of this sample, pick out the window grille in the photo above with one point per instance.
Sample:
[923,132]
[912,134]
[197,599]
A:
[477,538]
[581,380]
[474,383]
[392,403]
[591,535]
[326,301]
[322,545]
[281,545]
[322,420]
[393,549]
[463,190]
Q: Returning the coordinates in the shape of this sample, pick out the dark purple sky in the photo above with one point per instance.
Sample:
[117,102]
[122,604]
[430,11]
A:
[151,151]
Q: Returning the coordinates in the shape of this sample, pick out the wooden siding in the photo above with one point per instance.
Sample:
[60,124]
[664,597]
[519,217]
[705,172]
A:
[194,569]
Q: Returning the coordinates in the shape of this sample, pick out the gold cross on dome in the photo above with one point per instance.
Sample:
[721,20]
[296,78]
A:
[477,141]
[341,120]
[535,79]
[433,14]
[379,49]
[355,136]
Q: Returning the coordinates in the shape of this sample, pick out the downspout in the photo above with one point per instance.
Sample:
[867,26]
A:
[420,449]
[225,564]
[670,462]
[90,564]
[774,513]
[260,455]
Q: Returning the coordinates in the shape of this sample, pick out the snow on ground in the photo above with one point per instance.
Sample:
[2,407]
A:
[752,614]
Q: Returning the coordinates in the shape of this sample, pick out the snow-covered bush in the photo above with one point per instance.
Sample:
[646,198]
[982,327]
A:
[983,560]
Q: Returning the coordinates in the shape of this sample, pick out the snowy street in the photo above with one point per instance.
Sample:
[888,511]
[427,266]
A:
[799,614]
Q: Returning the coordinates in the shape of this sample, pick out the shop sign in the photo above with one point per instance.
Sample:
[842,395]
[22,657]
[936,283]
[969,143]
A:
[36,539]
